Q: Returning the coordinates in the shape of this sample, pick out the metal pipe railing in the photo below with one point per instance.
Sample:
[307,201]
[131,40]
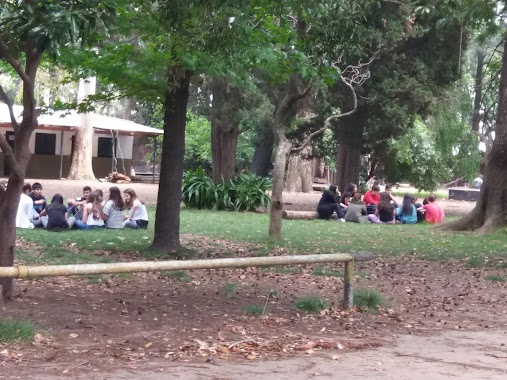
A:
[25,271]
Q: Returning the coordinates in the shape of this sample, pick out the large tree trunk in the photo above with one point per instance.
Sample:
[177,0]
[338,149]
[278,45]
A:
[224,129]
[476,116]
[300,172]
[261,161]
[81,167]
[167,220]
[491,209]
[283,149]
[348,158]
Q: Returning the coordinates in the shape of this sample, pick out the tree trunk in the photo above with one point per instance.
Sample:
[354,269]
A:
[476,116]
[348,158]
[261,161]
[81,167]
[224,143]
[225,120]
[300,172]
[167,220]
[490,211]
[284,147]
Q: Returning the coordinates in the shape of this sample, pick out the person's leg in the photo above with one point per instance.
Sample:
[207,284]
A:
[142,224]
[44,220]
[81,226]
[71,220]
[371,209]
[374,219]
[37,222]
[129,224]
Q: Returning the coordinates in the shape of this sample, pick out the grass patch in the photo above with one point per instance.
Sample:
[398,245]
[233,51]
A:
[94,279]
[311,304]
[16,330]
[495,278]
[369,300]
[254,310]
[230,287]
[474,262]
[179,274]
[327,272]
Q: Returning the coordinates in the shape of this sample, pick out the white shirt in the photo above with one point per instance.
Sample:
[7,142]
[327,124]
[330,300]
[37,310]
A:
[140,212]
[25,212]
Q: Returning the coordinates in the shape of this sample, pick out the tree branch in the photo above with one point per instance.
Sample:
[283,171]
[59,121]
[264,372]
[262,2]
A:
[9,156]
[16,64]
[6,100]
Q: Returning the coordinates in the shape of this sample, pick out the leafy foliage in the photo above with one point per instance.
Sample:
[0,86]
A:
[13,330]
[311,304]
[369,300]
[245,192]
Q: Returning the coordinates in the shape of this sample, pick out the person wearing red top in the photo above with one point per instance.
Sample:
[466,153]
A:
[372,199]
[433,210]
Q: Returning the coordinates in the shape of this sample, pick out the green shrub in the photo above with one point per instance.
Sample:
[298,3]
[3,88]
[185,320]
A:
[254,309]
[474,262]
[369,300]
[495,278]
[12,330]
[245,192]
[311,304]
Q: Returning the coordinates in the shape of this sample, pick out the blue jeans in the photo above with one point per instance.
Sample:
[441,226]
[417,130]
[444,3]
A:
[80,225]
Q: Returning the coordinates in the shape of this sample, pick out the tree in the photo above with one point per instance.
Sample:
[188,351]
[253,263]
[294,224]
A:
[81,166]
[28,30]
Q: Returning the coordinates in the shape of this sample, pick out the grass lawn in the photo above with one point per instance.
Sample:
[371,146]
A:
[300,237]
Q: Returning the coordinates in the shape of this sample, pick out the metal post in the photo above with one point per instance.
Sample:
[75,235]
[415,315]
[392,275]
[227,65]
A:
[154,157]
[348,295]
[61,155]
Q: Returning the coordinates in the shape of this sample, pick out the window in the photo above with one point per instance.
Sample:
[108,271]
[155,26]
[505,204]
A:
[105,147]
[45,143]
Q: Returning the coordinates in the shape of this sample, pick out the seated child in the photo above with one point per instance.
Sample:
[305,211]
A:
[75,206]
[54,217]
[371,199]
[39,202]
[385,211]
[92,213]
[357,209]
[328,204]
[407,213]
[138,215]
[434,211]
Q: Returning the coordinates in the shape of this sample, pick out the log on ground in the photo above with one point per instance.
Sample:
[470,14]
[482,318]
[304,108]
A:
[298,215]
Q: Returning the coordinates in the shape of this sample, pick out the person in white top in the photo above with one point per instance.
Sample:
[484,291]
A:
[92,213]
[26,213]
[138,216]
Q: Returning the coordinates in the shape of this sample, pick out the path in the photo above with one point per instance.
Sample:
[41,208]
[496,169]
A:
[451,355]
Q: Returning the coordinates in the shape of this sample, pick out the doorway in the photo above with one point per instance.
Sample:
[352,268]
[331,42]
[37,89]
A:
[9,136]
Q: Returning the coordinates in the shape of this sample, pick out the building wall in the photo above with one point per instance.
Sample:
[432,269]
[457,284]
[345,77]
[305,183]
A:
[48,166]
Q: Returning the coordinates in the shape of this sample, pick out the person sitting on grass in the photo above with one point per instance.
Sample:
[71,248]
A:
[39,202]
[389,189]
[75,206]
[25,213]
[114,209]
[356,211]
[328,204]
[138,216]
[385,211]
[419,208]
[434,212]
[54,217]
[371,199]
[92,214]
[407,213]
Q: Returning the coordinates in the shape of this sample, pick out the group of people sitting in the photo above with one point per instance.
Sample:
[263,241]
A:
[378,207]
[87,212]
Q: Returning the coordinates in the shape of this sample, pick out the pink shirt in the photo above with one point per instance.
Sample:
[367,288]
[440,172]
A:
[434,213]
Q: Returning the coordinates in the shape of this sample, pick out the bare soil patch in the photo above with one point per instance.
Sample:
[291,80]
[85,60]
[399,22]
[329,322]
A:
[136,321]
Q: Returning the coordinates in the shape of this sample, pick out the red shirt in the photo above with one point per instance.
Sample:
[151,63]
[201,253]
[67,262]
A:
[371,199]
[434,213]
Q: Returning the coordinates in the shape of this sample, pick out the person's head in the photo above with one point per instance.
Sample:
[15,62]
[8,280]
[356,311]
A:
[414,200]
[375,189]
[115,196]
[389,188]
[27,188]
[407,208]
[432,198]
[57,199]
[100,195]
[351,188]
[385,200]
[130,197]
[86,191]
[356,198]
[92,197]
[37,189]
[333,188]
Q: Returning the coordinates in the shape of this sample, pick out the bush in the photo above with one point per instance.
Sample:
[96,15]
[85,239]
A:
[369,300]
[311,304]
[245,192]
[254,310]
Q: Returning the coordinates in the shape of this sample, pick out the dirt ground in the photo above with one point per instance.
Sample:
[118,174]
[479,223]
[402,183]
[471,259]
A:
[441,320]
